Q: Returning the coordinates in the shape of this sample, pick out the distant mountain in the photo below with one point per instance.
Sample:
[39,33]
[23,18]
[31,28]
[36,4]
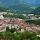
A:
[24,8]
[19,5]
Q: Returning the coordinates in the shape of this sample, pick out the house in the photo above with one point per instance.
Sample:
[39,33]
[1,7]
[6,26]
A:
[32,16]
[1,17]
[1,13]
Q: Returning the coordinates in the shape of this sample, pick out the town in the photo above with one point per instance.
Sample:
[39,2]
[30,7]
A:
[19,19]
[20,23]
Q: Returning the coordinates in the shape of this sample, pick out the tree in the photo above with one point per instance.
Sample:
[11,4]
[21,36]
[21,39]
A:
[7,28]
[12,30]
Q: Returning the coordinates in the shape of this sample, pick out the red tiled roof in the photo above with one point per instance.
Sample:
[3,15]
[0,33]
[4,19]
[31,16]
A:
[13,21]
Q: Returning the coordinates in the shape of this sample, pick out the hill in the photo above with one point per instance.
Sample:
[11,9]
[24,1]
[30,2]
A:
[36,11]
[23,8]
[20,8]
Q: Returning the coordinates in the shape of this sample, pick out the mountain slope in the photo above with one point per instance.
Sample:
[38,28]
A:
[24,8]
[18,5]
[36,11]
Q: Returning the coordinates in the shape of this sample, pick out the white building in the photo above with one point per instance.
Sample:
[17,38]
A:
[1,13]
[39,17]
[30,14]
[1,17]
[24,14]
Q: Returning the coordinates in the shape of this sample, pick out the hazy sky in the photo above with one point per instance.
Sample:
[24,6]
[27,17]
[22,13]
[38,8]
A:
[33,2]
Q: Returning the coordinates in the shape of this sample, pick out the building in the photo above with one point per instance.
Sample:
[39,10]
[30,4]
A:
[1,17]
